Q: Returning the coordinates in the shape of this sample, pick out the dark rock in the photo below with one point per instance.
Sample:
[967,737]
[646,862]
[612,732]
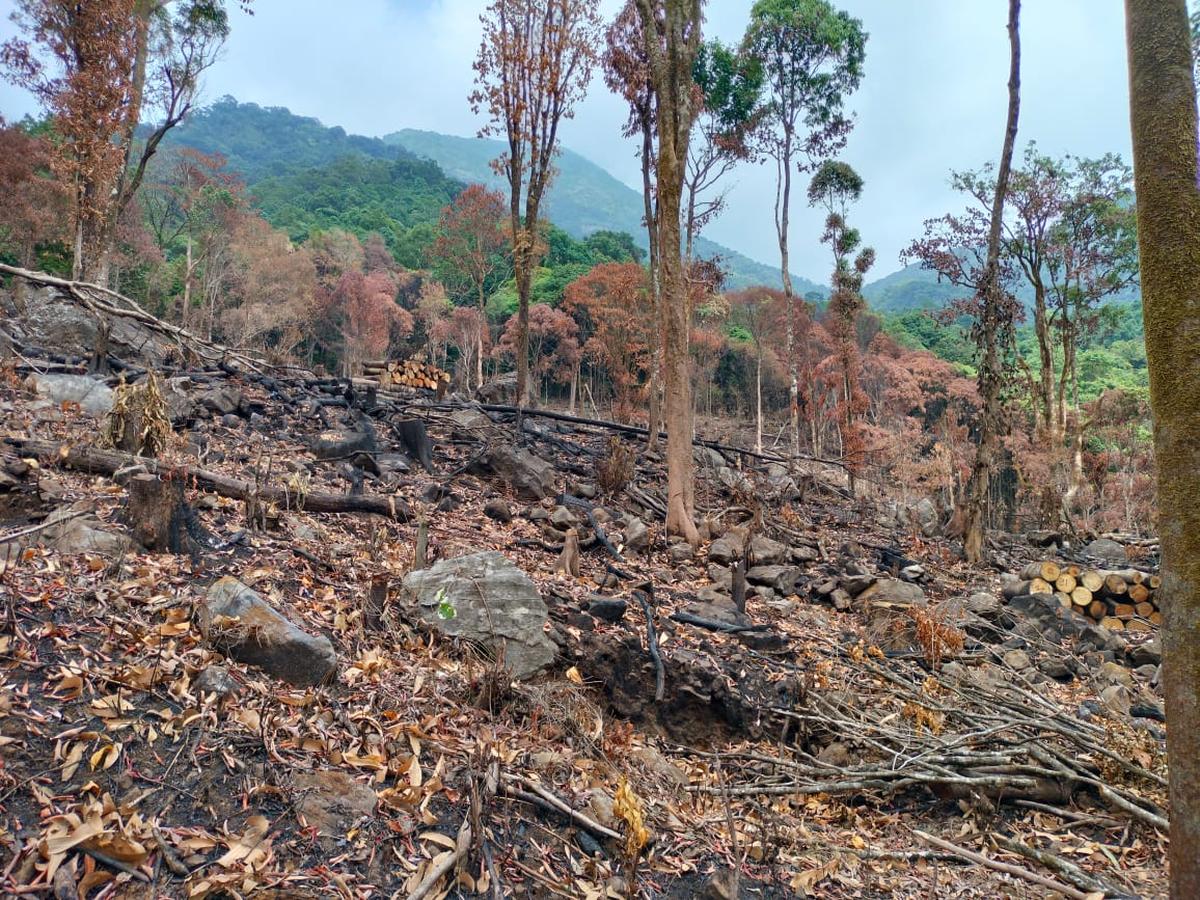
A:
[582,621]
[680,553]
[1056,668]
[222,400]
[433,491]
[608,609]
[498,510]
[486,599]
[1146,654]
[216,680]
[241,624]
[779,578]
[1147,709]
[984,604]
[530,478]
[562,518]
[856,584]
[805,554]
[586,490]
[727,549]
[763,641]
[765,552]
[448,504]
[723,885]
[725,613]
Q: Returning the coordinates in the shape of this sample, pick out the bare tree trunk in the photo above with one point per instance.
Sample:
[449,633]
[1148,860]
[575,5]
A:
[782,217]
[651,217]
[990,374]
[758,402]
[1162,99]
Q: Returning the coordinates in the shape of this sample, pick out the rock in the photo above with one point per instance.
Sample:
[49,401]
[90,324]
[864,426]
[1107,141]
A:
[469,423]
[722,885]
[659,766]
[332,801]
[727,549]
[433,491]
[562,518]
[1115,699]
[836,754]
[70,533]
[891,590]
[1146,673]
[242,625]
[805,554]
[1146,654]
[841,600]
[484,598]
[721,576]
[501,389]
[93,396]
[608,609]
[708,456]
[530,477]
[1147,709]
[1017,660]
[856,584]
[781,579]
[924,515]
[1056,668]
[734,480]
[448,504]
[586,490]
[497,509]
[714,593]
[913,573]
[984,604]
[721,610]
[229,420]
[681,553]
[766,552]
[1109,551]
[216,680]
[1113,673]
[600,803]
[637,535]
[222,400]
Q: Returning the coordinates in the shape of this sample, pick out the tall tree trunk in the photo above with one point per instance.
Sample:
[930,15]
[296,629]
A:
[783,195]
[483,327]
[990,374]
[758,401]
[1162,99]
[651,216]
[1043,402]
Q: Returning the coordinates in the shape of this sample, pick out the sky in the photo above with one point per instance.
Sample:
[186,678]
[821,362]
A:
[933,98]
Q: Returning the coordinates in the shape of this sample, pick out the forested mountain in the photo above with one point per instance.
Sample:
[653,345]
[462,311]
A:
[582,199]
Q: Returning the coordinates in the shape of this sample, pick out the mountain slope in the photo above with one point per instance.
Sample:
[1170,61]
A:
[583,198]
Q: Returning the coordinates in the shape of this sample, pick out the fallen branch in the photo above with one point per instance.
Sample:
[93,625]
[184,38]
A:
[107,462]
[449,861]
[1067,870]
[1017,871]
[544,798]
[713,625]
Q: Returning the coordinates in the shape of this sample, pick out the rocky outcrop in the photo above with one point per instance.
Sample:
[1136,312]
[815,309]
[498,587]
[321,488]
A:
[530,477]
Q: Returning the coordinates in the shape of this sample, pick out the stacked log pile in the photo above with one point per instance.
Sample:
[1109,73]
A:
[413,373]
[1119,599]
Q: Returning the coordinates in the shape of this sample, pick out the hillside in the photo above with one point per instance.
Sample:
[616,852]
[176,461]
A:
[582,199]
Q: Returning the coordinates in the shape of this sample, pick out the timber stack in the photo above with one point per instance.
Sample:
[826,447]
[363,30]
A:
[413,373]
[1119,599]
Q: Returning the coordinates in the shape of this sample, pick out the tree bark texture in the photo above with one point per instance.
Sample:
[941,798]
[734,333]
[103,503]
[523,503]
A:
[990,373]
[1162,99]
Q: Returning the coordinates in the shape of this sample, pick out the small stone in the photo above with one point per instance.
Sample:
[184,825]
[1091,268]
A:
[1017,660]
[658,765]
[332,801]
[1146,672]
[498,510]
[680,553]
[842,600]
[836,754]
[1115,699]
[216,680]
[983,604]
[433,491]
[1148,709]
[1056,668]
[723,885]
[562,518]
[448,504]
[805,554]
[779,578]
[714,593]
[587,490]
[601,806]
[230,420]
[637,535]
[856,584]
[608,609]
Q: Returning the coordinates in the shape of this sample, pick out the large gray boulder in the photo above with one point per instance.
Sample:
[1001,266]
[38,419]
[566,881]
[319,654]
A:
[727,548]
[891,590]
[781,579]
[56,322]
[484,598]
[531,477]
[94,396]
[244,626]
[766,552]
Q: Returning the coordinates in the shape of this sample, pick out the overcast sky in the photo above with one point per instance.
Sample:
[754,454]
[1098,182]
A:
[933,98]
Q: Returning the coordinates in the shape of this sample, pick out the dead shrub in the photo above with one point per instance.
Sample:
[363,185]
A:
[615,469]
[938,638]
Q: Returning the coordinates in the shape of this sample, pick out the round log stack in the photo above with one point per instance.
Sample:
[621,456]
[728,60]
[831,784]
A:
[1119,599]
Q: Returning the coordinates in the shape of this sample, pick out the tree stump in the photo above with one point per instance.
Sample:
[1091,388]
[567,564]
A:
[158,515]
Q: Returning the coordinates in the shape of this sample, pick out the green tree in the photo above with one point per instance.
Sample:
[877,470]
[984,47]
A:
[811,56]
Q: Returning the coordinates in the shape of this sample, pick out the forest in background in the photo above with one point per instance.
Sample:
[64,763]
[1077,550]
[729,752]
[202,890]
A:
[265,229]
